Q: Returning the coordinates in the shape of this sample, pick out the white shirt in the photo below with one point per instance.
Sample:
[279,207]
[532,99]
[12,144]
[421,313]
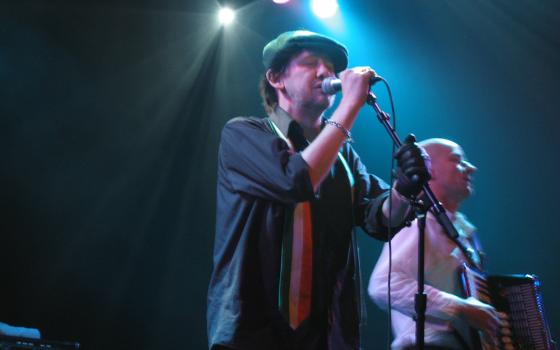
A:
[442,283]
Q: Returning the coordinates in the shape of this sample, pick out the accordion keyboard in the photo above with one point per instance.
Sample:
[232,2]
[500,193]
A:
[519,301]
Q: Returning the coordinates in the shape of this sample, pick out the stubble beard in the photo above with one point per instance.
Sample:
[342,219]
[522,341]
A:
[315,104]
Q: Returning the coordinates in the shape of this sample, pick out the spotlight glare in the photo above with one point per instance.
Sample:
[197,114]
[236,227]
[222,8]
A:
[226,15]
[280,1]
[324,8]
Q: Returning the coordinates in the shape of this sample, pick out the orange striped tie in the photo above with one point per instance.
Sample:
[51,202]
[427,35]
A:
[302,263]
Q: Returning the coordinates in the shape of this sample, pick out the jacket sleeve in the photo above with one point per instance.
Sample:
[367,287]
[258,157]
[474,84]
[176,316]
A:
[369,194]
[254,161]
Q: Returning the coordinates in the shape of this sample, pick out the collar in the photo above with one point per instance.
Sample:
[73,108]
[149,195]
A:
[286,124]
[282,120]
[464,224]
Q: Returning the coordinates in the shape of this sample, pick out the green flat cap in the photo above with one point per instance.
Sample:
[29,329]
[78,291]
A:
[303,39]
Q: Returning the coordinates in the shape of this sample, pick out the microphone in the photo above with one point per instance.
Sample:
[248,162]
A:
[332,85]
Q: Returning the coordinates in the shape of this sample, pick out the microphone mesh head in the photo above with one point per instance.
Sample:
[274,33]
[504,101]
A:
[330,85]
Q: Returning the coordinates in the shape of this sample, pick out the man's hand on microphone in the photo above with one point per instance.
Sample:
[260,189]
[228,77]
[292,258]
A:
[414,168]
[356,84]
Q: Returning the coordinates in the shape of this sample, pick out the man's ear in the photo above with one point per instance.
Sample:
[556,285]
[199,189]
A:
[274,79]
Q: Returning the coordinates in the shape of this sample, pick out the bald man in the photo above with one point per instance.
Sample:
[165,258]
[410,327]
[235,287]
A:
[448,316]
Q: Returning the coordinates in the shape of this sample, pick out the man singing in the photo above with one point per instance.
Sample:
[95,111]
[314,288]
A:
[290,191]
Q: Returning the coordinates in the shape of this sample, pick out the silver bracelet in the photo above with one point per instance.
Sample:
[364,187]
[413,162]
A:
[341,128]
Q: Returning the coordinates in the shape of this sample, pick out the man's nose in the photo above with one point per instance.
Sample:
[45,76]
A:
[324,69]
[470,168]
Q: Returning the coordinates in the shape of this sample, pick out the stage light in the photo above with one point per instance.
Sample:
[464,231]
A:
[324,8]
[226,15]
[280,1]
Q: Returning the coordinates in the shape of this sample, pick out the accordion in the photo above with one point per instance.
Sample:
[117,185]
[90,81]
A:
[519,297]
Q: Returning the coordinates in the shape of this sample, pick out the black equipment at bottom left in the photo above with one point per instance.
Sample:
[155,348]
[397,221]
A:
[15,343]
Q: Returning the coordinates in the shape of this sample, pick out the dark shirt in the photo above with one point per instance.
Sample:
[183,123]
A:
[260,180]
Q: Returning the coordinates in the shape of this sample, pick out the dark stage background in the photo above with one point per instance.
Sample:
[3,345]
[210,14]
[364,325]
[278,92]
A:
[110,120]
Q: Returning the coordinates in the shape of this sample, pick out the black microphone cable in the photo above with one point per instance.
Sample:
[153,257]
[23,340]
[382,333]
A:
[389,228]
[328,88]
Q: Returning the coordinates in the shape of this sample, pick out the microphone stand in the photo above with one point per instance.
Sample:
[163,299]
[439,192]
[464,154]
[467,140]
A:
[420,299]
